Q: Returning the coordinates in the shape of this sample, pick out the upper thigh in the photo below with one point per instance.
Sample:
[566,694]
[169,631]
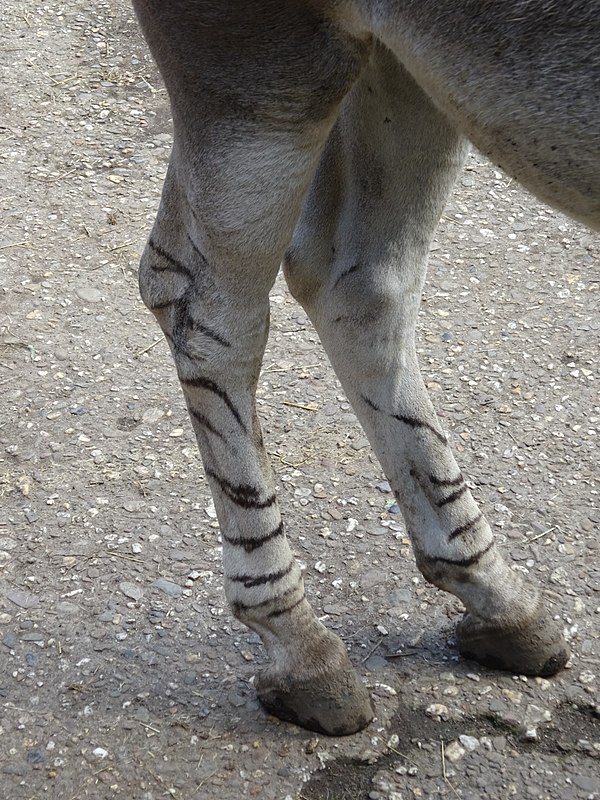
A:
[378,192]
[247,64]
[254,91]
[520,79]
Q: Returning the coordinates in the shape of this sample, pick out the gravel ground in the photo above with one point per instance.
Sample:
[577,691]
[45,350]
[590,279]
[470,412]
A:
[122,674]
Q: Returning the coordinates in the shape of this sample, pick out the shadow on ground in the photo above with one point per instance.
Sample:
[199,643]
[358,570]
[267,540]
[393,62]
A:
[571,731]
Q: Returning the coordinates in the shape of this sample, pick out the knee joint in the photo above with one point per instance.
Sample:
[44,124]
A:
[303,276]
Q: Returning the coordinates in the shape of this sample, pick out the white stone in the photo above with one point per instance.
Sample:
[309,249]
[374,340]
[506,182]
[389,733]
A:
[454,752]
[469,742]
[437,711]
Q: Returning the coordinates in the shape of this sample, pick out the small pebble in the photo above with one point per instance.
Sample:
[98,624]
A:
[65,607]
[168,587]
[438,711]
[311,745]
[469,742]
[454,752]
[22,599]
[89,294]
[131,590]
[368,757]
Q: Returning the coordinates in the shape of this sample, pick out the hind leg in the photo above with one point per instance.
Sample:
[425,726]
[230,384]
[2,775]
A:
[357,264]
[242,161]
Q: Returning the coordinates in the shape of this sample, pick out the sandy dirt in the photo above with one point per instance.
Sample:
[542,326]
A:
[122,673]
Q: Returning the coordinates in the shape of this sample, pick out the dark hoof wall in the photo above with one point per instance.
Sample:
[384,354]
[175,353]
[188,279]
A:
[335,705]
[537,649]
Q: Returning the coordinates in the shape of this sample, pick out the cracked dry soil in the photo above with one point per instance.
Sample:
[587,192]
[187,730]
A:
[122,674]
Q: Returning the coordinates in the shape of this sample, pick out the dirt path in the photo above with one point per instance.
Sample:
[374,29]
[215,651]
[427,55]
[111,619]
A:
[122,674]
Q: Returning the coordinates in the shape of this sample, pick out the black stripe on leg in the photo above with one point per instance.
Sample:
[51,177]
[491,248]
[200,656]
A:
[180,347]
[253,544]
[453,497]
[184,318]
[204,422]
[287,609]
[446,481]
[160,306]
[466,562]
[466,527]
[198,326]
[194,214]
[197,250]
[250,581]
[211,386]
[238,606]
[174,264]
[413,422]
[242,494]
[370,403]
[184,321]
[345,274]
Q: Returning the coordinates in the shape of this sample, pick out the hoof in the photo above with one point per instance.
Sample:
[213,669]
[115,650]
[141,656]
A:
[336,703]
[537,648]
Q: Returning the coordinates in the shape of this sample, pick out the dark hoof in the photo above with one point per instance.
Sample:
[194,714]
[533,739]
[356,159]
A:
[538,648]
[336,704]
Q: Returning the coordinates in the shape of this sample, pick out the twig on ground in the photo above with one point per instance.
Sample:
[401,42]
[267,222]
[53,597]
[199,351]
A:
[150,346]
[299,405]
[372,650]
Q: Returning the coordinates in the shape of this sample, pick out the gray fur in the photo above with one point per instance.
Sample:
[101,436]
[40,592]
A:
[328,135]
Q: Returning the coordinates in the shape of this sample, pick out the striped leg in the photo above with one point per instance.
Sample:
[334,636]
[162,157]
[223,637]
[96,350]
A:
[217,329]
[234,189]
[357,263]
